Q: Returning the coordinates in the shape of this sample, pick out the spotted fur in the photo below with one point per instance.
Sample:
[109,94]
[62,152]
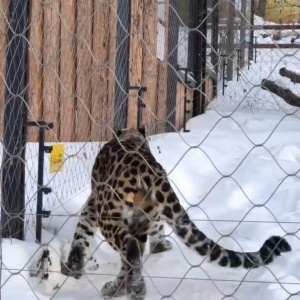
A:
[131,197]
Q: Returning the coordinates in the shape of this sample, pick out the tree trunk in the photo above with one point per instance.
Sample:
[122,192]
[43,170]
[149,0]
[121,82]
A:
[261,10]
[287,95]
[294,77]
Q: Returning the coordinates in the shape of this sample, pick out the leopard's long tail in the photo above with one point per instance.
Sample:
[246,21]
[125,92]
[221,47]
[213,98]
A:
[187,231]
[198,241]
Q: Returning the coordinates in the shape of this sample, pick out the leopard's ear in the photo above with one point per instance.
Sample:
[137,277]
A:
[142,131]
[117,132]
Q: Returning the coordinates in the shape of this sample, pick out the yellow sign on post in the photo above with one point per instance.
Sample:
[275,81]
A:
[57,157]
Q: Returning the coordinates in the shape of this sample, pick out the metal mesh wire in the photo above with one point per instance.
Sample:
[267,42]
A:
[86,65]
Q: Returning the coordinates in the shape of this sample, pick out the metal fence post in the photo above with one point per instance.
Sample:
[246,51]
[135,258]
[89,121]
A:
[41,189]
[243,33]
[192,33]
[215,45]
[251,30]
[185,100]
[122,63]
[172,63]
[15,114]
[200,58]
[140,104]
[230,39]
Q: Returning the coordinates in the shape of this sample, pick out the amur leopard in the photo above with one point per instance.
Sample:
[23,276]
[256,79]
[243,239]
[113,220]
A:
[131,199]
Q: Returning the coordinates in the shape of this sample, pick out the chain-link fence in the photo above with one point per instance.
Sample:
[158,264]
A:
[215,84]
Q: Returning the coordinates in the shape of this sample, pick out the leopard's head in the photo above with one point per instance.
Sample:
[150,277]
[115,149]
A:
[138,135]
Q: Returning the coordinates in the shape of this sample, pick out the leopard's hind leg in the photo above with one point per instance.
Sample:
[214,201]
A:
[136,287]
[129,280]
[157,239]
[158,242]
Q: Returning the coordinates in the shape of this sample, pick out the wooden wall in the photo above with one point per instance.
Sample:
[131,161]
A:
[71,63]
[71,57]
[145,69]
[189,93]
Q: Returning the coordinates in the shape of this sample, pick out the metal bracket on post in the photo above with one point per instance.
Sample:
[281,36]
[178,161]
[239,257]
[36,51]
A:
[186,101]
[224,73]
[140,103]
[251,38]
[41,189]
[238,74]
[255,48]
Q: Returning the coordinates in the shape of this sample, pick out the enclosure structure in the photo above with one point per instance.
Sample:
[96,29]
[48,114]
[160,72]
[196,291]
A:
[73,70]
[87,60]
[84,56]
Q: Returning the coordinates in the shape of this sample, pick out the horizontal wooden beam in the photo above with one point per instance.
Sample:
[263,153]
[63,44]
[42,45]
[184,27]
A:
[276,27]
[275,46]
[260,27]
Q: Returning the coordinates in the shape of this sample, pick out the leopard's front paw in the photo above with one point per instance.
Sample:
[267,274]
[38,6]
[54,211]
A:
[75,264]
[136,288]
[114,288]
[161,246]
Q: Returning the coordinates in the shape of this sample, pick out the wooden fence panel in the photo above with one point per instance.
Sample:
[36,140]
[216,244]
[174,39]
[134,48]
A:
[72,51]
[35,71]
[161,108]
[180,95]
[51,59]
[112,46]
[3,44]
[84,69]
[100,69]
[135,59]
[67,71]
[208,90]
[150,70]
[162,79]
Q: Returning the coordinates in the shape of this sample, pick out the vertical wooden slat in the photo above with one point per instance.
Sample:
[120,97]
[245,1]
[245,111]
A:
[208,90]
[35,81]
[3,44]
[180,104]
[112,64]
[161,105]
[67,71]
[51,67]
[150,62]
[135,59]
[100,69]
[83,69]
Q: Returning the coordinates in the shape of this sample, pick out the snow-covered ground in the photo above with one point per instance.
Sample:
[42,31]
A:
[237,174]
[238,193]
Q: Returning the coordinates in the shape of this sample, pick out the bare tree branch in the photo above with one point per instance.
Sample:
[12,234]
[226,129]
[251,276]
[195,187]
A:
[294,77]
[286,94]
